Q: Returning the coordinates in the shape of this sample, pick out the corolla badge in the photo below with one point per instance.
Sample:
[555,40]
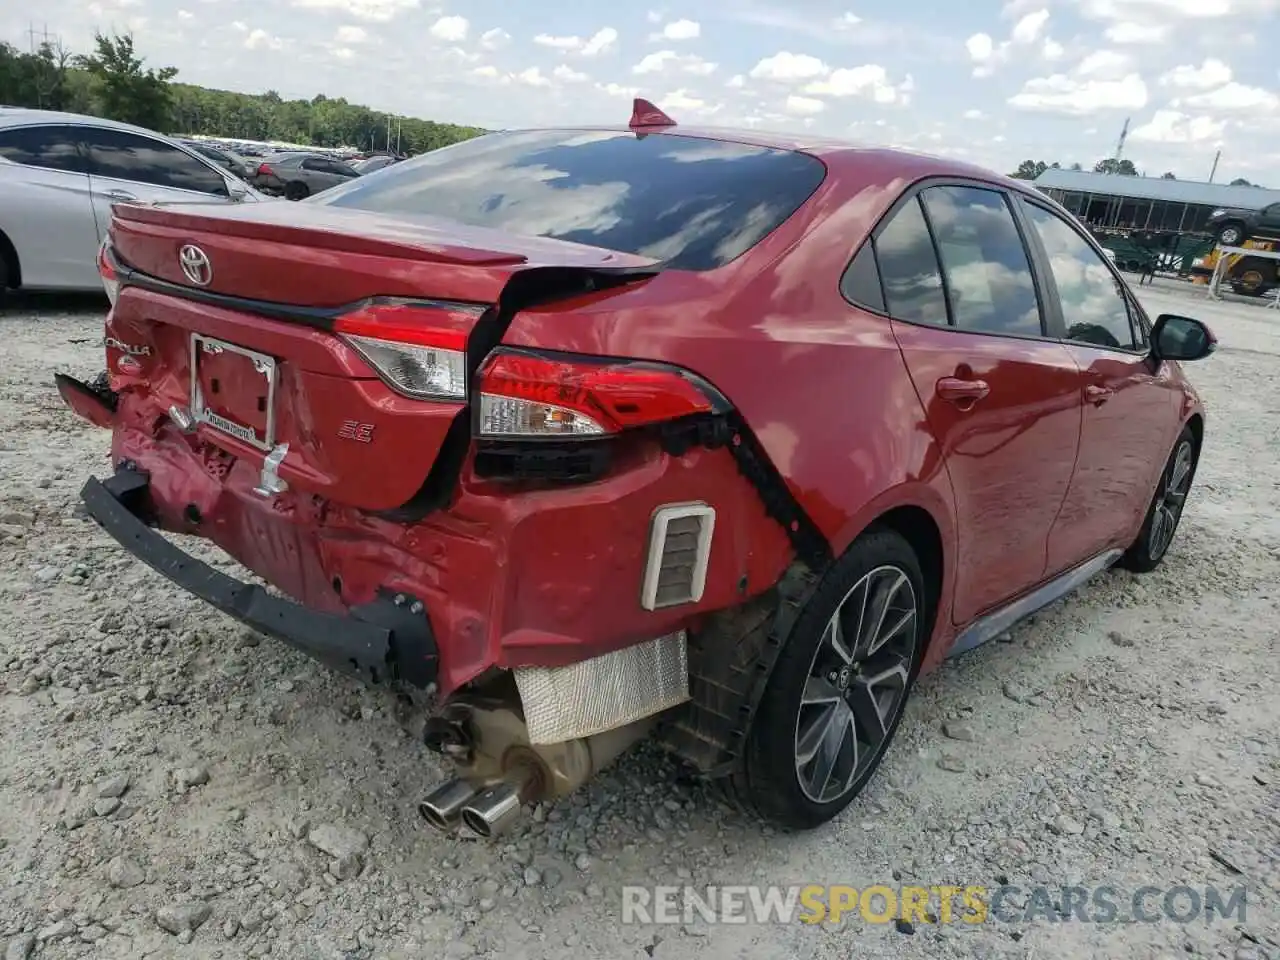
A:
[195,265]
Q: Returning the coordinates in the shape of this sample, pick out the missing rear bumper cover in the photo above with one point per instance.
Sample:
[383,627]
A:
[389,639]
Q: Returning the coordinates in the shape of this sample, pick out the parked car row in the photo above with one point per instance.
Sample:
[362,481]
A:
[60,174]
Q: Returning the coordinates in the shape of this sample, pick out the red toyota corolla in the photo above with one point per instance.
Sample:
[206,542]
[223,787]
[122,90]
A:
[588,435]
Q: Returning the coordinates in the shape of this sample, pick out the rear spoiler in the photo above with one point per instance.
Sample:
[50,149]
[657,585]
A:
[243,226]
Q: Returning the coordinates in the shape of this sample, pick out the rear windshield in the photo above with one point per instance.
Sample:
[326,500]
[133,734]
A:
[693,204]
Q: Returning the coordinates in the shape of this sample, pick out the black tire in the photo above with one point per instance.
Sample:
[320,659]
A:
[296,190]
[771,781]
[1167,504]
[1231,234]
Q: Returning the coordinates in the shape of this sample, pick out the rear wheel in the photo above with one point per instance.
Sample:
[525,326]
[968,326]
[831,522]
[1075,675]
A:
[1230,234]
[839,688]
[296,190]
[1165,509]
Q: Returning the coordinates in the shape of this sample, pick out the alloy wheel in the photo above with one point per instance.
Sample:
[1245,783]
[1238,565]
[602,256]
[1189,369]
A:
[857,683]
[1170,499]
[1229,236]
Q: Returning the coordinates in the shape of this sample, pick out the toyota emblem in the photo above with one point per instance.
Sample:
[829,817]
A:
[195,265]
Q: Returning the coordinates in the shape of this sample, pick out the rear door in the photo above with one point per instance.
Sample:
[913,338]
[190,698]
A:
[46,209]
[128,167]
[1001,395]
[1130,405]
[1269,222]
[321,174]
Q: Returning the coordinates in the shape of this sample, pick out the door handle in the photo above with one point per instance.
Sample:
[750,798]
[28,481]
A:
[1097,395]
[962,392]
[120,195]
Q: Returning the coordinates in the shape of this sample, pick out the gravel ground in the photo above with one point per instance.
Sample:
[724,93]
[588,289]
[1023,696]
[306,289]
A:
[172,787]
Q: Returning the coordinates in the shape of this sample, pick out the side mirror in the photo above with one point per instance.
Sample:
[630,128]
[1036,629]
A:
[237,193]
[1181,338]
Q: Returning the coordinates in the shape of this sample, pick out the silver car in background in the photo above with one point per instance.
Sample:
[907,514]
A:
[60,174]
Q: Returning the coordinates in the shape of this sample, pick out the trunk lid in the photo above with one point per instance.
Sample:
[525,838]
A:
[252,355]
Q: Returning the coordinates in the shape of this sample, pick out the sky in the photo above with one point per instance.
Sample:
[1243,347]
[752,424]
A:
[989,81]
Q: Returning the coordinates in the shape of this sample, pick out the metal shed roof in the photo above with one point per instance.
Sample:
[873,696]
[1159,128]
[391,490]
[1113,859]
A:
[1152,188]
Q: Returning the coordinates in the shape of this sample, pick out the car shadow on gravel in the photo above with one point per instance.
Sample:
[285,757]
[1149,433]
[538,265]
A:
[20,303]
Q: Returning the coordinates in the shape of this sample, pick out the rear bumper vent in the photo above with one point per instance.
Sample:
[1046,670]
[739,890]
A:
[679,547]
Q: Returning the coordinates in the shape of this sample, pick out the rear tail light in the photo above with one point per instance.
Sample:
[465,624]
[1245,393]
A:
[530,395]
[107,269]
[264,170]
[418,350]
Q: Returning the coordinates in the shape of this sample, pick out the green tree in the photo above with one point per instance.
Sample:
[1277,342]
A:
[1111,165]
[1029,169]
[1242,182]
[122,88]
[1168,176]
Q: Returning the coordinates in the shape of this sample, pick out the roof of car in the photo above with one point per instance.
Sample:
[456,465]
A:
[23,116]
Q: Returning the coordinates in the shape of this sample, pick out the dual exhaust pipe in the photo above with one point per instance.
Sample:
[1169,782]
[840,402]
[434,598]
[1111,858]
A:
[486,812]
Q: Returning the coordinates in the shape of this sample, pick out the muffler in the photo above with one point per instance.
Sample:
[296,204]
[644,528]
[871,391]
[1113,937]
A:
[443,806]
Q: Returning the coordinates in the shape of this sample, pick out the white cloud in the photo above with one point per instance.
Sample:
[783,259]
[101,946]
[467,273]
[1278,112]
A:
[1211,73]
[980,47]
[870,80]
[488,71]
[1027,30]
[1104,65]
[804,106]
[240,25]
[618,90]
[669,61]
[261,40]
[1081,96]
[1237,98]
[186,15]
[601,41]
[379,11]
[846,21]
[1172,126]
[680,30]
[737,81]
[494,39]
[1052,50]
[351,35]
[450,29]
[569,75]
[1148,11]
[532,77]
[974,114]
[681,100]
[786,67]
[1128,32]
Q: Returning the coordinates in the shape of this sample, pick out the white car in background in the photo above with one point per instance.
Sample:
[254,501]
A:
[60,174]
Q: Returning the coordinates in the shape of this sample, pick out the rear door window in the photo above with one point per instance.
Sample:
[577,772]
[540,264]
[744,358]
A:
[909,268]
[693,204]
[127,156]
[988,272]
[46,147]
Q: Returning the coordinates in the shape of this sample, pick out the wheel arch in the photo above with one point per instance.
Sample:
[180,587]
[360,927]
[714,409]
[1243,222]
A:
[9,255]
[920,515]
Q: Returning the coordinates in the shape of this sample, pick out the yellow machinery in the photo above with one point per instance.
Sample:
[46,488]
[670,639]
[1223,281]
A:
[1252,276]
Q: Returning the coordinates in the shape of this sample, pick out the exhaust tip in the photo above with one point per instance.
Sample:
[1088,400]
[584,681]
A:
[441,807]
[493,811]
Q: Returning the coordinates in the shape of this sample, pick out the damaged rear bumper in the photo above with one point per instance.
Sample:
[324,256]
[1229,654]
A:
[389,639]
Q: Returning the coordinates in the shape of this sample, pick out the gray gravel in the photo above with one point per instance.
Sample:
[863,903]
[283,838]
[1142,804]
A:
[172,787]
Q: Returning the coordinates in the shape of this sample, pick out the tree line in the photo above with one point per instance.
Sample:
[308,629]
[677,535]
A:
[1031,169]
[113,81]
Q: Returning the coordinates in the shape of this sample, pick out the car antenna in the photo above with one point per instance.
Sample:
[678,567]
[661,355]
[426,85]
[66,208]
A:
[645,114]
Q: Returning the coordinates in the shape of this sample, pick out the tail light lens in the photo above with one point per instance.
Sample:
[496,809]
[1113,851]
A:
[107,269]
[530,395]
[418,350]
[264,170]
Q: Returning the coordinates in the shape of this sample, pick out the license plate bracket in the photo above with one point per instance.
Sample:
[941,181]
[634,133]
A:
[229,374]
